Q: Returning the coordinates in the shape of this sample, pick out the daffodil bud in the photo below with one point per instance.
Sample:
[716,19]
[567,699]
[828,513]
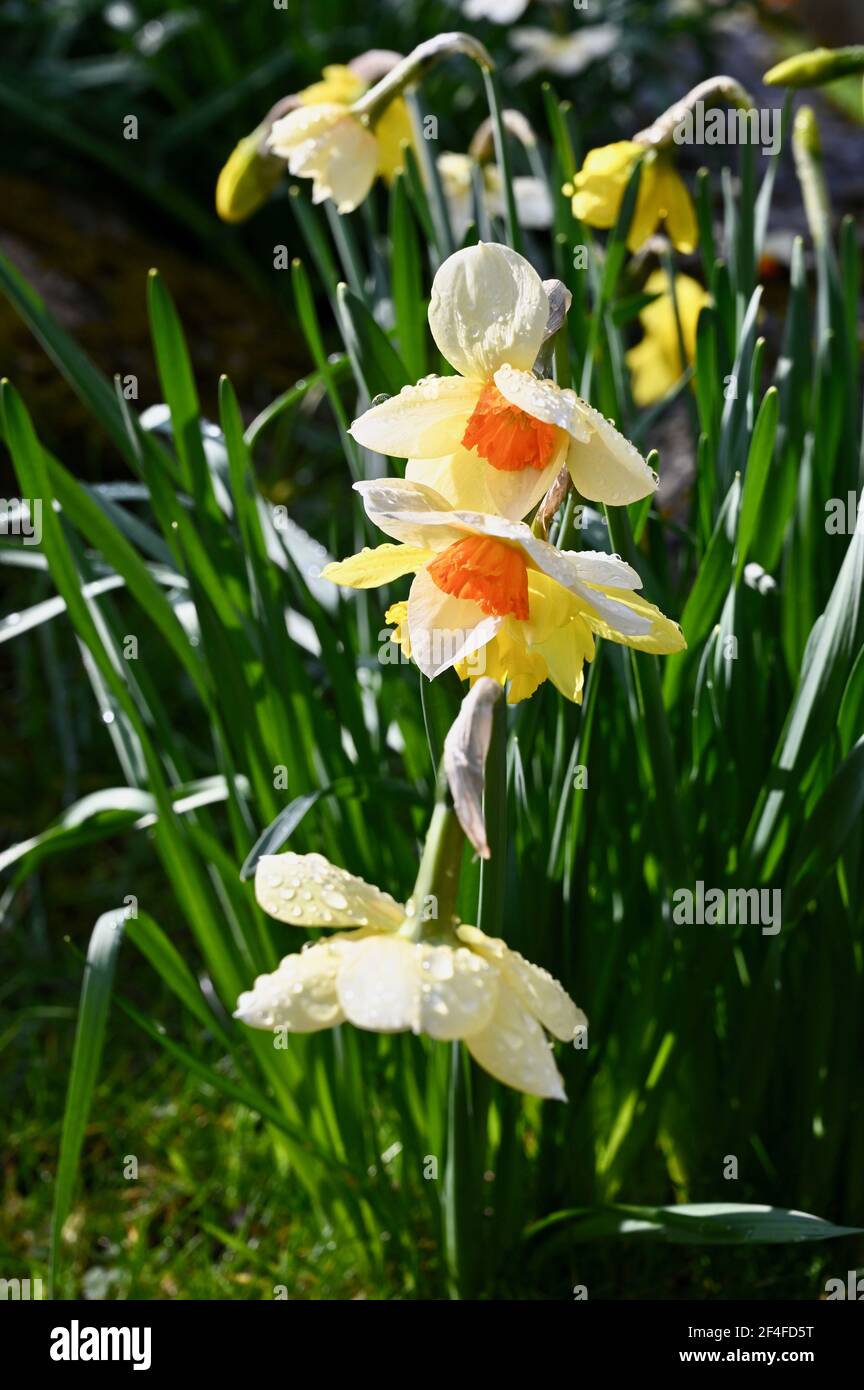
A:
[248,177]
[816,66]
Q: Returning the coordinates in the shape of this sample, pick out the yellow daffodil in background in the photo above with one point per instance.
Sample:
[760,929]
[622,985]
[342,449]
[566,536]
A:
[655,362]
[490,598]
[662,198]
[494,437]
[390,973]
[533,202]
[322,140]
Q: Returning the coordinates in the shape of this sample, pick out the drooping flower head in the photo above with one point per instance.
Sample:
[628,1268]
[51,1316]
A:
[662,198]
[490,598]
[324,141]
[375,973]
[656,362]
[493,437]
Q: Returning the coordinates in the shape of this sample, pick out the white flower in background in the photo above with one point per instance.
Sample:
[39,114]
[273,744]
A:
[494,437]
[533,202]
[566,54]
[498,11]
[460,984]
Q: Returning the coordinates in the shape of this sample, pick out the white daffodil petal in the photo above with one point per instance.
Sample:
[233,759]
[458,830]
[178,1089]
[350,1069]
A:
[422,421]
[543,400]
[379,985]
[458,991]
[571,568]
[300,995]
[488,306]
[513,1048]
[351,167]
[409,511]
[301,128]
[444,630]
[546,998]
[306,890]
[608,468]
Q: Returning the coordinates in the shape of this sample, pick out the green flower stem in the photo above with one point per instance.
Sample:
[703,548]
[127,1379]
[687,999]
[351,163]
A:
[720,88]
[437,877]
[490,910]
[502,157]
[374,103]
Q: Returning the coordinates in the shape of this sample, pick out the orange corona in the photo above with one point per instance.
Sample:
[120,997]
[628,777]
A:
[489,571]
[506,437]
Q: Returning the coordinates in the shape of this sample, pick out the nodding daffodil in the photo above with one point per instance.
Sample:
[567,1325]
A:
[494,437]
[388,976]
[324,141]
[662,197]
[490,598]
[565,54]
[533,203]
[656,362]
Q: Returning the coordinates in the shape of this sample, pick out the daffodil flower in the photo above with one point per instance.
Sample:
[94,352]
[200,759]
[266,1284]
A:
[324,141]
[533,203]
[490,598]
[655,362]
[494,437]
[662,197]
[459,984]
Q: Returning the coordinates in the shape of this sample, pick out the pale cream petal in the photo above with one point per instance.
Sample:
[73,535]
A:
[458,992]
[444,630]
[514,1049]
[303,127]
[613,615]
[409,511]
[300,995]
[471,484]
[423,421]
[543,400]
[608,468]
[573,568]
[351,166]
[306,890]
[547,999]
[488,306]
[379,985]
[381,565]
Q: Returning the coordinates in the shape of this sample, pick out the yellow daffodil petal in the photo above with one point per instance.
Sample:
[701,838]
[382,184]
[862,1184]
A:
[393,132]
[424,421]
[514,1049]
[608,468]
[306,890]
[679,212]
[649,209]
[488,307]
[662,637]
[397,617]
[370,568]
[469,483]
[601,182]
[339,84]
[653,373]
[655,362]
